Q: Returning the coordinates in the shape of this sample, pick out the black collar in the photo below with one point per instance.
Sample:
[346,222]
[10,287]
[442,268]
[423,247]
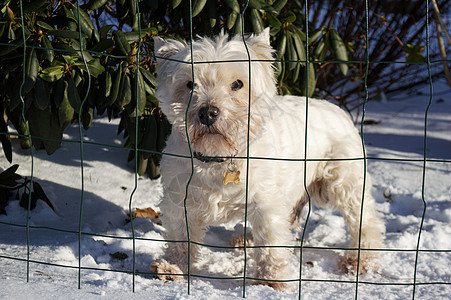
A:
[208,159]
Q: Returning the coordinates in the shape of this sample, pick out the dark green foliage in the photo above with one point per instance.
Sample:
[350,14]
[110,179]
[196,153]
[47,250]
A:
[12,185]
[57,84]
[119,255]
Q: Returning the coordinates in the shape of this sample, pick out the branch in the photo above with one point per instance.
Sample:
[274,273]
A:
[438,19]
[441,45]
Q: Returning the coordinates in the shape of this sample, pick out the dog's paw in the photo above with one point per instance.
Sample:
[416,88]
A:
[349,264]
[278,286]
[163,270]
[237,241]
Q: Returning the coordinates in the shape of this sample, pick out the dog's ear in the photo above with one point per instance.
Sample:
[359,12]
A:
[260,44]
[261,38]
[166,48]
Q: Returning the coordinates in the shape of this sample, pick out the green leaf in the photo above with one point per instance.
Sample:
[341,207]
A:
[175,3]
[148,77]
[108,81]
[8,172]
[142,164]
[198,5]
[308,84]
[133,15]
[164,129]
[149,141]
[15,116]
[31,71]
[68,59]
[86,25]
[300,47]
[42,94]
[45,129]
[96,4]
[238,28]
[116,86]
[133,36]
[257,4]
[48,48]
[126,89]
[291,53]
[119,255]
[339,49]
[256,20]
[234,5]
[414,53]
[121,42]
[103,45]
[65,109]
[94,66]
[52,74]
[273,21]
[27,201]
[87,116]
[40,194]
[58,92]
[279,4]
[231,20]
[44,25]
[281,44]
[295,73]
[320,49]
[141,96]
[289,18]
[104,31]
[72,95]
[152,169]
[314,35]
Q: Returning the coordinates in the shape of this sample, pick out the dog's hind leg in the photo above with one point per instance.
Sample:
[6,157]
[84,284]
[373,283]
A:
[344,183]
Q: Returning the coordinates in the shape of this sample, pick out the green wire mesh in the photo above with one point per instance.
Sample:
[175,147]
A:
[301,247]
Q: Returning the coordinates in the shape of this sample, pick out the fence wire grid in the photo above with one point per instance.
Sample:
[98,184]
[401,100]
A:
[414,283]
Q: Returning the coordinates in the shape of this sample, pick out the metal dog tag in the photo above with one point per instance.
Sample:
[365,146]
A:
[231,175]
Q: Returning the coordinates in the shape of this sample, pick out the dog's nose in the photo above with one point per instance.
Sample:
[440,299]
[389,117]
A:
[208,115]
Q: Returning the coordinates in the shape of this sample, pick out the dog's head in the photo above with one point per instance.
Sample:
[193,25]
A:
[210,97]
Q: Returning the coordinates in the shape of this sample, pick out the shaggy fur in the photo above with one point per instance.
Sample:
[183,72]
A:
[276,130]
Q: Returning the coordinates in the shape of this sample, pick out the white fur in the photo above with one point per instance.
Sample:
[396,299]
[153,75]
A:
[277,130]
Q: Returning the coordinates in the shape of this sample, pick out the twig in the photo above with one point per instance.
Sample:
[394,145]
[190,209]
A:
[439,19]
[441,45]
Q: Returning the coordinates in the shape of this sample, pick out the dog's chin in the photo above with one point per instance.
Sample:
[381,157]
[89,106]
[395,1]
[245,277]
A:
[212,148]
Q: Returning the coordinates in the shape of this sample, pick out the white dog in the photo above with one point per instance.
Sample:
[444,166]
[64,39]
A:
[220,130]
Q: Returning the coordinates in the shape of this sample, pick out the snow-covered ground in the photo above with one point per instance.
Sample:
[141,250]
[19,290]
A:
[109,182]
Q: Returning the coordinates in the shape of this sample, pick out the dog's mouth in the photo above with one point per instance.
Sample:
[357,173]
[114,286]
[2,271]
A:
[211,144]
[208,159]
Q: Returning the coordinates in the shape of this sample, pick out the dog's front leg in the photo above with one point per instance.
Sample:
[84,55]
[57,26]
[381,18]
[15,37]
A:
[175,261]
[271,227]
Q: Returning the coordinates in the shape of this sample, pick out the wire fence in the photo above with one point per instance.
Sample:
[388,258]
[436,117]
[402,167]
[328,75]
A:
[414,283]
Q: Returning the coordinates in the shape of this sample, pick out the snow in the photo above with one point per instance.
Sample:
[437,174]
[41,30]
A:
[109,182]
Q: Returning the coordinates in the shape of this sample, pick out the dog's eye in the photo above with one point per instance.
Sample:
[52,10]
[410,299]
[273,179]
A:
[190,85]
[236,85]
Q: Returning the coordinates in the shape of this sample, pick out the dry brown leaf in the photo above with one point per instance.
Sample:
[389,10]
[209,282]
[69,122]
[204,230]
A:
[145,213]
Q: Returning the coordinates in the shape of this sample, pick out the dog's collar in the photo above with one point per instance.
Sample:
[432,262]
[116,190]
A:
[208,159]
[231,175]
